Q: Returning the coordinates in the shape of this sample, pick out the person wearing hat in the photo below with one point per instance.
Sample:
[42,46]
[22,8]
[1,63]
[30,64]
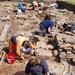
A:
[20,6]
[17,42]
[37,66]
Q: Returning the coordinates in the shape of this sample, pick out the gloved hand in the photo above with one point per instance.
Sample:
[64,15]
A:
[32,52]
[54,33]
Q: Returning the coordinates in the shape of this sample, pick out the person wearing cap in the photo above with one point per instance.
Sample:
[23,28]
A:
[20,6]
[47,25]
[37,66]
[17,42]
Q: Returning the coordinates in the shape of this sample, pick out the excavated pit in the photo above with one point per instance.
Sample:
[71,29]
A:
[27,25]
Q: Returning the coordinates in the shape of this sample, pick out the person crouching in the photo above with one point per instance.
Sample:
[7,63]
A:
[17,42]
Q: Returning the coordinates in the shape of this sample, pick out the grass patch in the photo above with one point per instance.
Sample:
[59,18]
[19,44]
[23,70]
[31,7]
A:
[70,1]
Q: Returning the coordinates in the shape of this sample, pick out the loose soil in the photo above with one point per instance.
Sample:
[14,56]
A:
[17,27]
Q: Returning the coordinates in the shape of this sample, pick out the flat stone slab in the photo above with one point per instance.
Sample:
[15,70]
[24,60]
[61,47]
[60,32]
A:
[49,47]
[3,34]
[20,16]
[66,45]
[8,4]
[41,44]
[59,37]
[69,39]
[43,52]
[5,18]
[70,55]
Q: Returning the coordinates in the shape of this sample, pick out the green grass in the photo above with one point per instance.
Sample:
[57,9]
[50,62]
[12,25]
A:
[70,1]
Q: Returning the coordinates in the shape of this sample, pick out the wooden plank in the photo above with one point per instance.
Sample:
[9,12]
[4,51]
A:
[3,34]
[2,57]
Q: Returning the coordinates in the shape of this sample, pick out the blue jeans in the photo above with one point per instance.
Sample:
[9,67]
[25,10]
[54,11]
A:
[43,29]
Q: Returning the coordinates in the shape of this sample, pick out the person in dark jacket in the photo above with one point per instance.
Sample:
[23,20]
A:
[47,24]
[37,66]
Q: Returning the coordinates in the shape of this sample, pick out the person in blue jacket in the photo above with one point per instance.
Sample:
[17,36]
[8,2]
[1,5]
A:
[20,6]
[47,24]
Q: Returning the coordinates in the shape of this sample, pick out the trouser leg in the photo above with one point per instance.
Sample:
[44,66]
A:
[44,30]
[23,9]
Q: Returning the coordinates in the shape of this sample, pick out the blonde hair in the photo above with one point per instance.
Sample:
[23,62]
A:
[34,60]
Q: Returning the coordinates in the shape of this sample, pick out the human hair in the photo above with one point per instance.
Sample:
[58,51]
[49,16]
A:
[34,60]
[47,17]
[26,44]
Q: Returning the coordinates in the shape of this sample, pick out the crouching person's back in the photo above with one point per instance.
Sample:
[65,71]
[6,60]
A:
[37,66]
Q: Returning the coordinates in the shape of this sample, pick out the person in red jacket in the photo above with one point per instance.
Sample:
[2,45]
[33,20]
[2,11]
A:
[17,42]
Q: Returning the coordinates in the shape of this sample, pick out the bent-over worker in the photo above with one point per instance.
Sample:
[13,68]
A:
[16,42]
[47,25]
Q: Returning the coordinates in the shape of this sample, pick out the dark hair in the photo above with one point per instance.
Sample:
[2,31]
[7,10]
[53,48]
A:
[64,25]
[13,39]
[47,17]
[26,44]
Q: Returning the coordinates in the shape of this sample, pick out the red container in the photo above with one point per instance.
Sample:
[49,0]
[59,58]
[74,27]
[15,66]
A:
[11,58]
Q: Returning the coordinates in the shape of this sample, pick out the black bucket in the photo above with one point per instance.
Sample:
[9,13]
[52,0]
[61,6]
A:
[69,27]
[40,33]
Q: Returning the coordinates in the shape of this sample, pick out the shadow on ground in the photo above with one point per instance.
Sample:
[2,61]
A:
[19,73]
[6,49]
[71,62]
[65,5]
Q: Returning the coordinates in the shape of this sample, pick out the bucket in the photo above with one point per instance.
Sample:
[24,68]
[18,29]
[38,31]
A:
[11,58]
[41,32]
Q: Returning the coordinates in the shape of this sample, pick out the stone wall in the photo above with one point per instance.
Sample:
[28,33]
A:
[65,5]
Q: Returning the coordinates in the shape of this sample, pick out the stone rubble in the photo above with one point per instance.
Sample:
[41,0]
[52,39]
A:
[29,22]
